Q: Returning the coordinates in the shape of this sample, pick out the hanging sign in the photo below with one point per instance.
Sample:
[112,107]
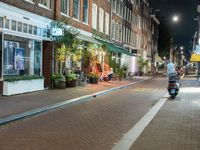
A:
[57,32]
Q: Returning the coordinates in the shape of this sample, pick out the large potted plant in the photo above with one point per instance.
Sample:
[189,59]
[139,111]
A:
[58,81]
[141,64]
[93,77]
[71,79]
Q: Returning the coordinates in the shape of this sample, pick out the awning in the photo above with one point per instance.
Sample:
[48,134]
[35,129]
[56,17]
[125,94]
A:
[87,38]
[195,58]
[157,58]
[114,48]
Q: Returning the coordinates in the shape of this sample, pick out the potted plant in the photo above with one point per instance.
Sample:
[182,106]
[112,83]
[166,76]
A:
[71,79]
[93,77]
[120,73]
[58,81]
[141,64]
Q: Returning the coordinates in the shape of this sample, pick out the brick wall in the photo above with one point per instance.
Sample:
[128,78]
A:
[73,22]
[34,8]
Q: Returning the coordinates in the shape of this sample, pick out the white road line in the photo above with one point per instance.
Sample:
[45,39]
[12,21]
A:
[131,136]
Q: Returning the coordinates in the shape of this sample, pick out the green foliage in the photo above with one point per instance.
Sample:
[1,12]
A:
[93,75]
[66,45]
[56,77]
[70,76]
[121,72]
[113,64]
[19,78]
[141,63]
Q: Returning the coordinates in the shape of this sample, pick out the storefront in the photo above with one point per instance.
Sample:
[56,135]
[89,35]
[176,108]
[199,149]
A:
[24,44]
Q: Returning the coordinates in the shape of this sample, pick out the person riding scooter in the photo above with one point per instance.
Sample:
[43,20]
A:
[173,84]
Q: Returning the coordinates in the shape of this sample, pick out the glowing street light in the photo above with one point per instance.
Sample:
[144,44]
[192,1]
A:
[181,47]
[175,18]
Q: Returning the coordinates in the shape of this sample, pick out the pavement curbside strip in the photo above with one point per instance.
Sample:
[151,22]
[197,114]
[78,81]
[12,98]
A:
[6,120]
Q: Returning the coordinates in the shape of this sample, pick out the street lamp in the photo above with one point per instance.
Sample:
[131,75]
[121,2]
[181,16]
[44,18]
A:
[175,18]
[181,47]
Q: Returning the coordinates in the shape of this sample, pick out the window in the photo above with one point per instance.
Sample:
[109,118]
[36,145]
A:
[101,19]
[76,9]
[30,29]
[116,31]
[13,25]
[120,32]
[35,30]
[22,56]
[39,32]
[118,7]
[94,16]
[121,9]
[19,26]
[107,24]
[85,11]
[113,29]
[46,3]
[25,28]
[7,23]
[1,22]
[44,32]
[64,6]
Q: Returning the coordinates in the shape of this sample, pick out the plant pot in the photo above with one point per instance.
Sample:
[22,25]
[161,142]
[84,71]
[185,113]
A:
[94,80]
[59,84]
[139,73]
[71,83]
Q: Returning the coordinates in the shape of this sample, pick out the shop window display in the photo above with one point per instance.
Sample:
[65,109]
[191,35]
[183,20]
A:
[21,56]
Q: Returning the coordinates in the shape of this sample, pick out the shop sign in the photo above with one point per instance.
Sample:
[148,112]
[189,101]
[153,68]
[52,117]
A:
[133,51]
[57,32]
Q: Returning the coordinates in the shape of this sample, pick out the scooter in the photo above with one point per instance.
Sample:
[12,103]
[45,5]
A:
[173,87]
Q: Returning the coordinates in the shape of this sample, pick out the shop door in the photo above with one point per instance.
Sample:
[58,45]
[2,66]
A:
[46,67]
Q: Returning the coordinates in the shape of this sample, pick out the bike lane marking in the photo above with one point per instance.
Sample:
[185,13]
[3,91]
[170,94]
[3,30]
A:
[131,136]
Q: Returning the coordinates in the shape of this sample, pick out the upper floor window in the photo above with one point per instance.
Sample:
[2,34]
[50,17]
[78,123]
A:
[107,23]
[65,6]
[19,26]
[46,3]
[101,19]
[1,22]
[13,25]
[85,11]
[94,16]
[76,6]
[113,29]
[7,23]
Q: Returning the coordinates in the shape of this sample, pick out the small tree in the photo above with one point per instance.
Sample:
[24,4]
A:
[141,64]
[65,45]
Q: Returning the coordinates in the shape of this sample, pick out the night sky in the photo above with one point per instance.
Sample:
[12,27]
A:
[184,30]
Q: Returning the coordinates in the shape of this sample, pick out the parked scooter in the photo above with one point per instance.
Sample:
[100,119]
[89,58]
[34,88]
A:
[173,85]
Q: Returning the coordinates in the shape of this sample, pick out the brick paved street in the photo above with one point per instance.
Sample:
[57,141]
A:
[177,125]
[20,103]
[90,125]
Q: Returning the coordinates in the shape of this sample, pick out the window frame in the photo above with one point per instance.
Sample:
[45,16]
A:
[61,4]
[78,17]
